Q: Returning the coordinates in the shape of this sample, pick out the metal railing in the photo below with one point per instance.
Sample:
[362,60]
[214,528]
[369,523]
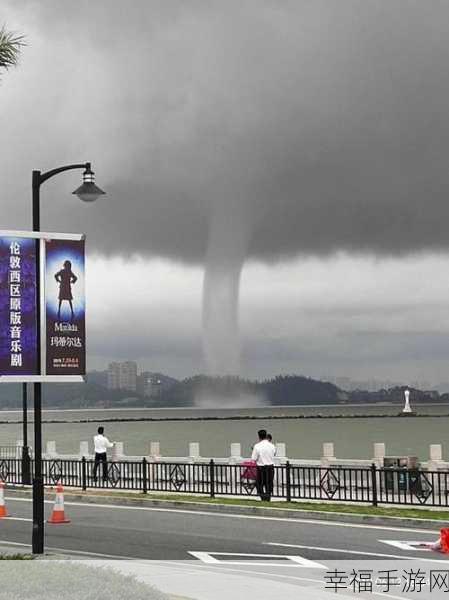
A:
[369,485]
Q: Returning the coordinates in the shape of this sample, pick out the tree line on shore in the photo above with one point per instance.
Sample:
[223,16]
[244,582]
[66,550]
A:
[282,390]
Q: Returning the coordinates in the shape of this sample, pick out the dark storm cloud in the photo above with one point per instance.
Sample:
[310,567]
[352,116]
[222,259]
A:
[323,123]
[401,354]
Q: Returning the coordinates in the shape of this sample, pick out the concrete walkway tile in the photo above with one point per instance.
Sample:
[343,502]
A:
[204,583]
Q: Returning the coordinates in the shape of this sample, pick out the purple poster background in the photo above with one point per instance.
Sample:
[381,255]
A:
[65,307]
[18,344]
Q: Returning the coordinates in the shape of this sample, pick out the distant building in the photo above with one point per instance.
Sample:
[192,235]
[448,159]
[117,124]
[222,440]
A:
[114,376]
[154,389]
[128,376]
[149,385]
[144,383]
[122,376]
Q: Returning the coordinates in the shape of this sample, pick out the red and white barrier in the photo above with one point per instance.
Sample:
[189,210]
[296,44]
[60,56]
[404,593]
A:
[3,511]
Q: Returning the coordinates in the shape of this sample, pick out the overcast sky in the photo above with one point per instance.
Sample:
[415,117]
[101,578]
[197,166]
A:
[321,126]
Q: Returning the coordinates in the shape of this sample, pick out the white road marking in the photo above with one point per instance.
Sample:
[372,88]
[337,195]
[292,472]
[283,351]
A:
[7,542]
[233,516]
[357,552]
[10,518]
[15,499]
[209,558]
[205,557]
[413,546]
[97,554]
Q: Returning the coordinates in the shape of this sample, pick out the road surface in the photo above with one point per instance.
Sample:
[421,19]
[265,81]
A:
[170,534]
[208,556]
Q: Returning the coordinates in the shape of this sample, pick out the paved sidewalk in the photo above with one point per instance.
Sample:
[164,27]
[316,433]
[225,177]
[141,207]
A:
[193,580]
[197,581]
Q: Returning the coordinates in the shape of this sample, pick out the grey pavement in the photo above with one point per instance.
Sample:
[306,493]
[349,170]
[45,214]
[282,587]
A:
[203,582]
[188,580]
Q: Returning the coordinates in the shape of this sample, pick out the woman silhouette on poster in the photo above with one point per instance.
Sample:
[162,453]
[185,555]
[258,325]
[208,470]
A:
[65,278]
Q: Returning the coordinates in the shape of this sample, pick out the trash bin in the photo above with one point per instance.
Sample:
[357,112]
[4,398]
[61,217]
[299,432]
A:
[414,482]
[401,473]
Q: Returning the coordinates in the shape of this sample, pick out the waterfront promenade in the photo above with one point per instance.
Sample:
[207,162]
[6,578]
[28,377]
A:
[404,483]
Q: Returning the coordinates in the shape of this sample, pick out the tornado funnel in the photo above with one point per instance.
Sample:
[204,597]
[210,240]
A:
[226,252]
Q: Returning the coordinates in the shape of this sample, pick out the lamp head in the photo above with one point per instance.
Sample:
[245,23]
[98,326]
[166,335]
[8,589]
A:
[88,191]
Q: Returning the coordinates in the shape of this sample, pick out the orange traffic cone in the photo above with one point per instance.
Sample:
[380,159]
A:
[58,516]
[442,543]
[444,540]
[3,511]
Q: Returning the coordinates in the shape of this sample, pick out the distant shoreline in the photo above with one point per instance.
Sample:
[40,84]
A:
[276,407]
[230,418]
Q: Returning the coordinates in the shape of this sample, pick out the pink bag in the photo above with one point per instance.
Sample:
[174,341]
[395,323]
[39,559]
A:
[249,470]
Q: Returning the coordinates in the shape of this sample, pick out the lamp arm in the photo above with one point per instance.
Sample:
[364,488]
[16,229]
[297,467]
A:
[44,176]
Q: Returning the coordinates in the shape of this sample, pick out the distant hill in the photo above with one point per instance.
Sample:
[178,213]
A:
[201,390]
[395,395]
[287,390]
[282,390]
[294,389]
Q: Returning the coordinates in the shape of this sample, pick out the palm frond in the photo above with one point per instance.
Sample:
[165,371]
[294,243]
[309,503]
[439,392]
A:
[10,46]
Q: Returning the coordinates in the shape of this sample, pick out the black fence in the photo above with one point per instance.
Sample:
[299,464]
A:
[368,485]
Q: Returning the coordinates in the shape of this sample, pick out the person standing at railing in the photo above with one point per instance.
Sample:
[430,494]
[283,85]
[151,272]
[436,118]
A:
[263,453]
[101,445]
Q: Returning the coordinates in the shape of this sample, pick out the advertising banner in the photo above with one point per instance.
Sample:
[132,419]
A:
[18,331]
[55,348]
[65,307]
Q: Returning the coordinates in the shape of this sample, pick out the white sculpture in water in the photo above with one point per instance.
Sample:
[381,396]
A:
[407,407]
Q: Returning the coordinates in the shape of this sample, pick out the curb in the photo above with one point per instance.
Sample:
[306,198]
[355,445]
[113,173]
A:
[431,524]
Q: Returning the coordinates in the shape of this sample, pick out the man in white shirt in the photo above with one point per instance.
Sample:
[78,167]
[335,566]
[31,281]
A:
[263,453]
[101,444]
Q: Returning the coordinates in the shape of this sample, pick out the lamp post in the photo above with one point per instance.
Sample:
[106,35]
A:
[26,466]
[88,192]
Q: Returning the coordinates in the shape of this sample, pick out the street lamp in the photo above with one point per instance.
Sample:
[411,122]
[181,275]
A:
[26,466]
[88,192]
